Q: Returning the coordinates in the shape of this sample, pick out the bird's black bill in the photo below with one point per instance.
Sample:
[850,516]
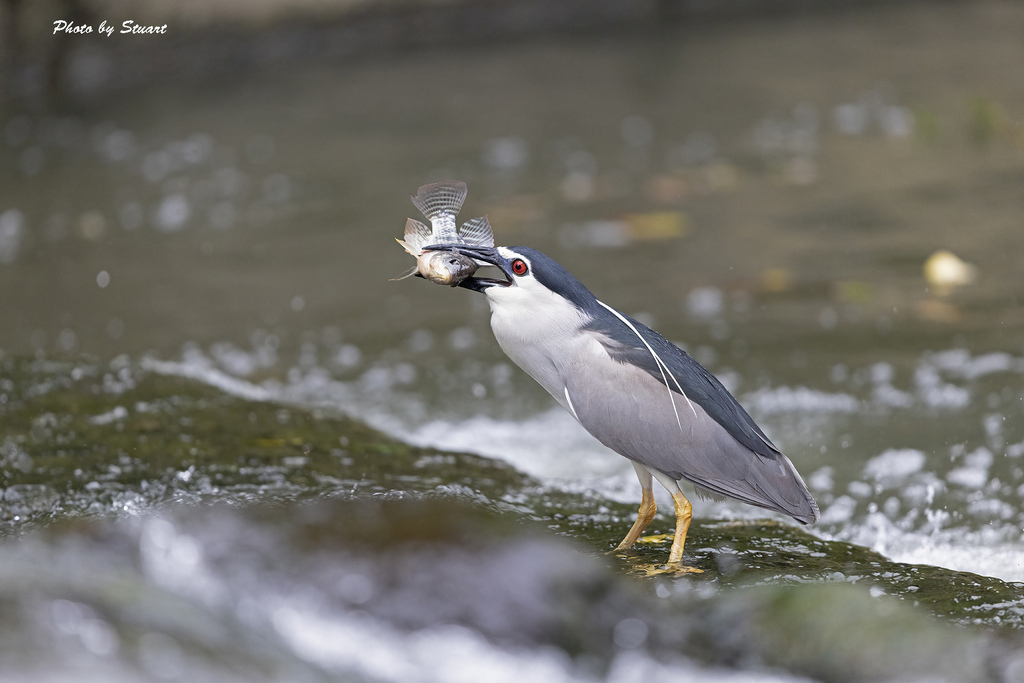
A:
[485,255]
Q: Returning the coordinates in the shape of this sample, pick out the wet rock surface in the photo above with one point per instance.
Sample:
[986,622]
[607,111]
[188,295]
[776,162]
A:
[282,555]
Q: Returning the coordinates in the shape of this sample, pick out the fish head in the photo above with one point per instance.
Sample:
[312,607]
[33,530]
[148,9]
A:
[445,267]
[485,256]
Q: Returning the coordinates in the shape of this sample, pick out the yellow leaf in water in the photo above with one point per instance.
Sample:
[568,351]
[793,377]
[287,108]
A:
[988,120]
[853,291]
[777,279]
[657,225]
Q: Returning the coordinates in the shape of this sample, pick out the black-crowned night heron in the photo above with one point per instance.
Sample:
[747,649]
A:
[640,395]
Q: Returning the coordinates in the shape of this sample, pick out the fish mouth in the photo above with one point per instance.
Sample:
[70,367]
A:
[486,255]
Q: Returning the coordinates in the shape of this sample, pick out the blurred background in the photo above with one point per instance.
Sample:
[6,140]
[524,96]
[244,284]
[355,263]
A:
[821,201]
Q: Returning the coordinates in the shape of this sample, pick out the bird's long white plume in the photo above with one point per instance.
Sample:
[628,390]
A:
[662,367]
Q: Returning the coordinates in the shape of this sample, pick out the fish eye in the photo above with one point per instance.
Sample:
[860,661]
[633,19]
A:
[519,267]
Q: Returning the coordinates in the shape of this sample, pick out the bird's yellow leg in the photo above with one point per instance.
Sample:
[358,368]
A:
[643,518]
[683,515]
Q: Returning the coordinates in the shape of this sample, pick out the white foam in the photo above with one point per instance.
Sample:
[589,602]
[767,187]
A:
[549,445]
[996,551]
[207,374]
[552,447]
[799,399]
[894,465]
[118,413]
[974,473]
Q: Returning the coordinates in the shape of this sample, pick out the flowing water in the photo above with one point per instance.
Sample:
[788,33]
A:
[231,448]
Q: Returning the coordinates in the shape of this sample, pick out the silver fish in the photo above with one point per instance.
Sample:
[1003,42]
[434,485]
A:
[440,203]
[445,267]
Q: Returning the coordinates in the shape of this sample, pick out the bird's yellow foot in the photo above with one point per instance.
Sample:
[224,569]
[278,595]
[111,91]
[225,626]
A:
[672,569]
[651,568]
[664,569]
[655,538]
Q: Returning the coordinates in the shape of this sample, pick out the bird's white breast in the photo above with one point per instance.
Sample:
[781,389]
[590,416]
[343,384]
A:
[539,330]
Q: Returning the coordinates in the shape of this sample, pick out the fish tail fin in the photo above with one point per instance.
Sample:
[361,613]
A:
[436,199]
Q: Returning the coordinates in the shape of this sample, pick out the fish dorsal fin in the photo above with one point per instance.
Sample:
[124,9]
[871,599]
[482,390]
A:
[417,236]
[415,251]
[414,227]
[477,232]
[440,198]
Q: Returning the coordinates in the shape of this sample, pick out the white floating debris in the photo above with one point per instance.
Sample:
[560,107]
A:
[945,271]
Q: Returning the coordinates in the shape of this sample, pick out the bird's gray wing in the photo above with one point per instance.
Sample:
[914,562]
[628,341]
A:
[632,412]
[630,341]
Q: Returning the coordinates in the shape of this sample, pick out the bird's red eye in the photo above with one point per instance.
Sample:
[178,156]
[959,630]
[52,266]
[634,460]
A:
[519,267]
